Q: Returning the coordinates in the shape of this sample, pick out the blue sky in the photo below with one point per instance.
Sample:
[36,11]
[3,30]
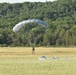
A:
[19,1]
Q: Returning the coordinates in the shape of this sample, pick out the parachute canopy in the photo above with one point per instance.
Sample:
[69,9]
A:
[18,26]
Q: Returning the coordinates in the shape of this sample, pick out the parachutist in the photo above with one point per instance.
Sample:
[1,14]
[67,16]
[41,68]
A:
[33,50]
[18,26]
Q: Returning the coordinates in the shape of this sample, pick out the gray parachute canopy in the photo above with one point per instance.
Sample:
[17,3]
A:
[18,26]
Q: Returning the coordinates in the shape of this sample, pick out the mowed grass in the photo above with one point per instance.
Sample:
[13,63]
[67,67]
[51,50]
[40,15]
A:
[21,61]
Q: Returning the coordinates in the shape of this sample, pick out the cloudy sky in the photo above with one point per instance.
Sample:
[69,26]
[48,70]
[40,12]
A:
[19,1]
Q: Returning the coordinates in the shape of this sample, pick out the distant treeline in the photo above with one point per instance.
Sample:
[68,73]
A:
[60,16]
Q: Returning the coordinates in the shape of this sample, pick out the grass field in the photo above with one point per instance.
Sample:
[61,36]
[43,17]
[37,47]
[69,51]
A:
[21,61]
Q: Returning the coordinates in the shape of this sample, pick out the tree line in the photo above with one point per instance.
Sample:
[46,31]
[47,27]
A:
[60,16]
